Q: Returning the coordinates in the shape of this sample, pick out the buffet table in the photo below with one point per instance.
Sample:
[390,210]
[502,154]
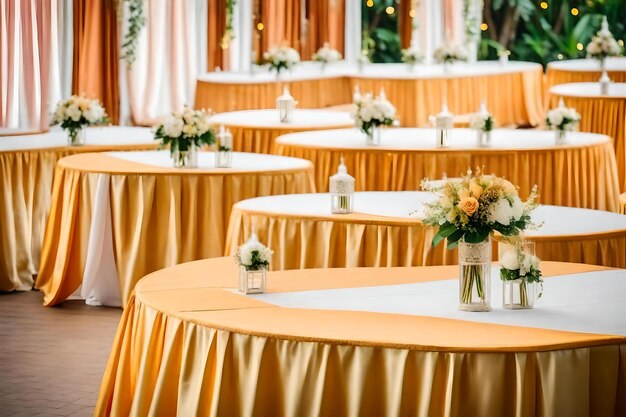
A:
[117,216]
[605,114]
[386,230]
[257,130]
[366,341]
[584,70]
[513,91]
[581,173]
[26,174]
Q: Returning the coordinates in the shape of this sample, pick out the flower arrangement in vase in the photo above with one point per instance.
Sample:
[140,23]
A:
[75,113]
[185,132]
[562,119]
[602,46]
[466,213]
[281,58]
[412,56]
[520,272]
[326,55]
[448,54]
[370,113]
[253,259]
[482,122]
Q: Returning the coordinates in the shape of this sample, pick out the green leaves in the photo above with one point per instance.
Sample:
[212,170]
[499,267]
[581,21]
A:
[136,22]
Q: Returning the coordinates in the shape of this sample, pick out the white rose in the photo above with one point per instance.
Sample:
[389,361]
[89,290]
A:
[94,113]
[517,208]
[525,265]
[509,260]
[555,118]
[500,212]
[173,127]
[73,112]
[245,255]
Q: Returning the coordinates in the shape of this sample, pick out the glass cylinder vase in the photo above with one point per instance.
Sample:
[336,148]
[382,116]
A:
[372,136]
[561,136]
[475,276]
[187,158]
[518,294]
[76,137]
[483,138]
[252,281]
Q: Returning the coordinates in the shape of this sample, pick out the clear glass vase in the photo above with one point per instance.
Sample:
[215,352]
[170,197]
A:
[76,137]
[483,138]
[252,281]
[223,158]
[518,294]
[185,158]
[475,276]
[372,137]
[561,136]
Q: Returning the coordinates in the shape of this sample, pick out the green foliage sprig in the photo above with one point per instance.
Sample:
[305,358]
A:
[136,22]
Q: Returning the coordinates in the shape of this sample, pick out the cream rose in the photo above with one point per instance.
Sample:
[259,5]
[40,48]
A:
[469,205]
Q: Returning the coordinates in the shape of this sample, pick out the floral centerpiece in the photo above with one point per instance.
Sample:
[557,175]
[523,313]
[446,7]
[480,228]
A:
[412,56]
[77,112]
[483,123]
[281,58]
[520,272]
[448,54]
[326,55]
[562,119]
[184,132]
[253,259]
[372,112]
[602,46]
[466,213]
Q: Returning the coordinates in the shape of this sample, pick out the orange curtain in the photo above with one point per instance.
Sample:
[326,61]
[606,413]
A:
[96,53]
[281,24]
[325,23]
[217,56]
[405,22]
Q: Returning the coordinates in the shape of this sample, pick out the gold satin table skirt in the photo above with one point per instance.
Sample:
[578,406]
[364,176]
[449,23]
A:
[188,345]
[159,216]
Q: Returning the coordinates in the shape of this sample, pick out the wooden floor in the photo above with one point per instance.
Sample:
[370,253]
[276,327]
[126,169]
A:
[52,359]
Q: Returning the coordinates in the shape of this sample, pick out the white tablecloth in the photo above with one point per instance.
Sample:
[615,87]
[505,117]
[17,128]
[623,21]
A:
[583,65]
[309,71]
[557,221]
[593,302]
[302,118]
[96,136]
[424,139]
[616,90]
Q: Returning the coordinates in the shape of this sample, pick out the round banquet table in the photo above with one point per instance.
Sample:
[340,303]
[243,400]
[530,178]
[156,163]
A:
[599,114]
[513,91]
[581,173]
[584,70]
[257,130]
[385,229]
[117,216]
[26,174]
[366,341]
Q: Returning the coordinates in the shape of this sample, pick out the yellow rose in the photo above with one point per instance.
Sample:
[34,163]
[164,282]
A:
[464,194]
[469,205]
[475,189]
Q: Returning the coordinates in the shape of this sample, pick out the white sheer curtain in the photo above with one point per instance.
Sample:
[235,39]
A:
[169,55]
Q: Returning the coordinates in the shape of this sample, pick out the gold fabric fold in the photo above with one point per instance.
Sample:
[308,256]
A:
[622,203]
[263,140]
[415,100]
[160,216]
[555,76]
[245,358]
[26,179]
[581,176]
[357,240]
[605,115]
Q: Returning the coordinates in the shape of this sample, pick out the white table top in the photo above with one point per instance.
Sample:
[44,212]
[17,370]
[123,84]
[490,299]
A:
[309,71]
[242,161]
[592,302]
[557,220]
[589,65]
[424,139]
[267,118]
[616,90]
[96,136]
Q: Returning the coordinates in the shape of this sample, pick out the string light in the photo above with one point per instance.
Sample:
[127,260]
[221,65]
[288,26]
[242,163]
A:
[560,56]
[579,46]
[390,10]
[484,26]
[620,42]
[412,13]
[370,3]
[574,11]
[260,26]
[543,5]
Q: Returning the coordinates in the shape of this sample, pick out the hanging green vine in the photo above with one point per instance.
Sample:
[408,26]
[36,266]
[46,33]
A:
[470,18]
[229,33]
[136,22]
